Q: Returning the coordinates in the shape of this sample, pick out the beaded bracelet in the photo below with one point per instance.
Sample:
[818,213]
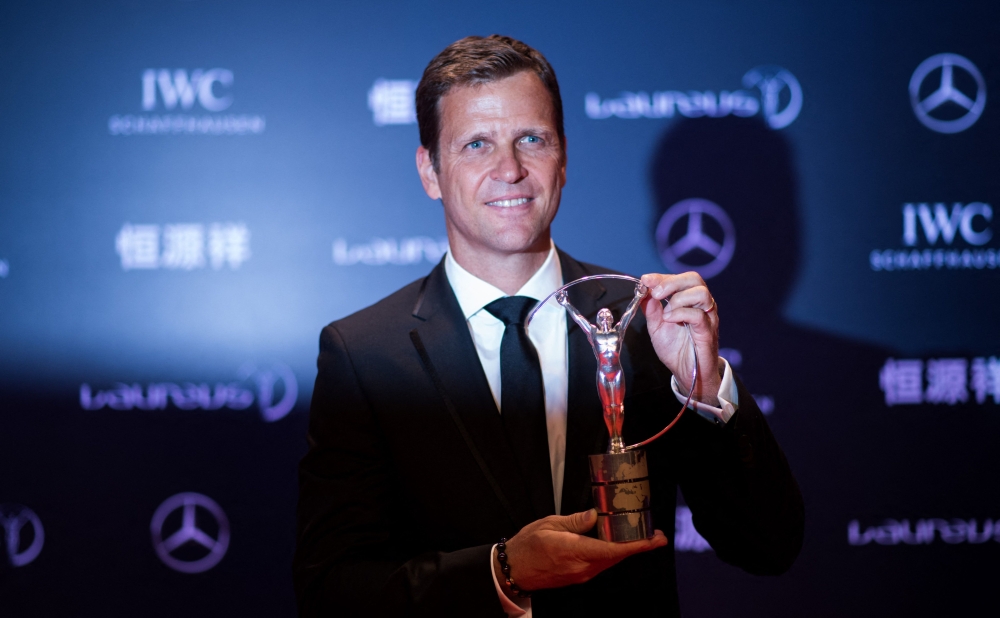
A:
[502,557]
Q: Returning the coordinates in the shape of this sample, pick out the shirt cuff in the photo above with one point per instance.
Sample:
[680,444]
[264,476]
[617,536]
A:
[728,397]
[521,608]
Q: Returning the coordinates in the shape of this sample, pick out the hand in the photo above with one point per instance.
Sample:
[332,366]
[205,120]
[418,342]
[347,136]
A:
[550,552]
[688,302]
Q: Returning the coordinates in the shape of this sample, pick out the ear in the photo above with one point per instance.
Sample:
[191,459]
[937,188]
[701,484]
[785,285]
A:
[428,177]
[562,170]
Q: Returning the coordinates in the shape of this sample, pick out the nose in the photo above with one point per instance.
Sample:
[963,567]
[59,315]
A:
[508,167]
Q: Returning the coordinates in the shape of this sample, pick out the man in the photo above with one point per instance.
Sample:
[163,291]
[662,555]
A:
[436,430]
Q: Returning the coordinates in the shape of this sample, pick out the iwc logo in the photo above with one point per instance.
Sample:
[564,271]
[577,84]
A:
[179,90]
[948,93]
[696,234]
[190,532]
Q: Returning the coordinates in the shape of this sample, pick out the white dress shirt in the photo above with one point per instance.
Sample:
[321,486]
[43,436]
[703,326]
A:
[548,333]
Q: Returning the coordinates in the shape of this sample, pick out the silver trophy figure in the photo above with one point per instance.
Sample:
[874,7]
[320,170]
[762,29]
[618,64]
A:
[607,342]
[620,477]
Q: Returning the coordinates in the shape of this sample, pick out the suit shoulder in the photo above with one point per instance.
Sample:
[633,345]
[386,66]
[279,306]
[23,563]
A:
[389,313]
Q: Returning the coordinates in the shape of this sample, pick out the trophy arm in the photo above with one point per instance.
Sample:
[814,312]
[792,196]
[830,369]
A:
[587,327]
[640,293]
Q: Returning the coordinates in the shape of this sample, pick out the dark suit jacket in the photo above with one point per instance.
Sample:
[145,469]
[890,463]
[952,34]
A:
[409,480]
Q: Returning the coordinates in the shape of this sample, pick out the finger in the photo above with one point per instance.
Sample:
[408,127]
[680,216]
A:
[619,551]
[595,550]
[654,314]
[577,523]
[663,286]
[698,297]
[657,540]
[699,320]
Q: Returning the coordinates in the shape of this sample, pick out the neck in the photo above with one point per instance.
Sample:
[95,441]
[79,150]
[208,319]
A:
[506,271]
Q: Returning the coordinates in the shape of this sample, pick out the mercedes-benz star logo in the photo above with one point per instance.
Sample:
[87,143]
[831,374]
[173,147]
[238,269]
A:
[681,254]
[14,518]
[180,550]
[947,92]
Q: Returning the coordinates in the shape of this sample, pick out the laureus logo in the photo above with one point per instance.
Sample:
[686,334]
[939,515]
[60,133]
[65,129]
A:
[780,94]
[23,534]
[778,98]
[274,389]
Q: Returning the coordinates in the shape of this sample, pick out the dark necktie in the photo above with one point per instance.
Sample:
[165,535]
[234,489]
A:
[522,400]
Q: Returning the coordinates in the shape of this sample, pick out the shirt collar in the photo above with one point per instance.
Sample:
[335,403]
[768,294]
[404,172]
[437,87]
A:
[473,293]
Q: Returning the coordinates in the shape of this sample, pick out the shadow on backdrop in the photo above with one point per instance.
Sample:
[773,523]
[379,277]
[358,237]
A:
[855,458]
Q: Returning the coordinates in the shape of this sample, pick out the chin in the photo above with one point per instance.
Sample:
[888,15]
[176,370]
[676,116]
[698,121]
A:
[515,241]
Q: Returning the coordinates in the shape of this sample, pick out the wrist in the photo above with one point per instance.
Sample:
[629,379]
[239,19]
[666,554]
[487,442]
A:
[706,389]
[712,385]
[502,573]
[498,576]
[709,395]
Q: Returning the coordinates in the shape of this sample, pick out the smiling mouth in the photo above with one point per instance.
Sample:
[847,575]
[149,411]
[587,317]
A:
[510,203]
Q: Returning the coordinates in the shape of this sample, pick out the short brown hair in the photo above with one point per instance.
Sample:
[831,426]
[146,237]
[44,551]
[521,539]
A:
[478,60]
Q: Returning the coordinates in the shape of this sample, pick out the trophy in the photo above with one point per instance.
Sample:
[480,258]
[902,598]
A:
[620,477]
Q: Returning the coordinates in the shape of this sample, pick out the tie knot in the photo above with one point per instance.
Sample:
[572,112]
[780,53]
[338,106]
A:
[511,309]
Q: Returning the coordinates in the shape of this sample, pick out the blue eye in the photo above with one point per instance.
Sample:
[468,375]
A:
[532,139]
[476,144]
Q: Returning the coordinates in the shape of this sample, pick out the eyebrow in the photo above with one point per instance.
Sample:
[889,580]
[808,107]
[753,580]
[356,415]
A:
[537,131]
[485,135]
[482,135]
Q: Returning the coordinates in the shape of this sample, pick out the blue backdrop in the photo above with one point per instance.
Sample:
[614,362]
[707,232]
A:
[190,190]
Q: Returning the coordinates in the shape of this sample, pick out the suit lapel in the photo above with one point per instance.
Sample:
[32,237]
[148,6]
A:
[452,355]
[585,430]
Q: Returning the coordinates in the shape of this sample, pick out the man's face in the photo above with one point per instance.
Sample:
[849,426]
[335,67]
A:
[501,166]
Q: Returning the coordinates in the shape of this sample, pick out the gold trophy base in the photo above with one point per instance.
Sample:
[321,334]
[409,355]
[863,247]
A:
[620,486]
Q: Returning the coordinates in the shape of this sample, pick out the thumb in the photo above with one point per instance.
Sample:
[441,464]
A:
[579,523]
